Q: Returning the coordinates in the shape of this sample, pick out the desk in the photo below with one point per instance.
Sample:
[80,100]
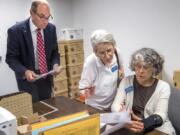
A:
[65,106]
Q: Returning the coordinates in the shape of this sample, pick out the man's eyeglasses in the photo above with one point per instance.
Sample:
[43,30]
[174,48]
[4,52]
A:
[43,17]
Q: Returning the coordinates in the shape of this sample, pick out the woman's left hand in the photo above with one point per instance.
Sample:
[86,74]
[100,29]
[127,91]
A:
[121,73]
[89,91]
[135,126]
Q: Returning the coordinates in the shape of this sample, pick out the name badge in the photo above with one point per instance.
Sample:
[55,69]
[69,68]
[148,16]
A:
[129,89]
[113,69]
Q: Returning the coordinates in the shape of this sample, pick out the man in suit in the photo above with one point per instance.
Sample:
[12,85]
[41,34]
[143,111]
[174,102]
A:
[32,50]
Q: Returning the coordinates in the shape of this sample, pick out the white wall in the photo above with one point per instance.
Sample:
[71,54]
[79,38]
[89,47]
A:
[9,15]
[135,24]
[12,11]
[62,14]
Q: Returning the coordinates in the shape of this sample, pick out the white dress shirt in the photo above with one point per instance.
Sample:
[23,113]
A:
[33,30]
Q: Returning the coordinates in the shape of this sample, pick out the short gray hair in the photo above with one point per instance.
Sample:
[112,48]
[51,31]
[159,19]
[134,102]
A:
[147,56]
[35,4]
[101,36]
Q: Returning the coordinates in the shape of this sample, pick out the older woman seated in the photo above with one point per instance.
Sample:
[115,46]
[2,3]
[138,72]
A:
[145,96]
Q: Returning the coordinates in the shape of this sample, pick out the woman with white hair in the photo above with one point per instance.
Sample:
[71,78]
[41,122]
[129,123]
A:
[102,71]
[145,96]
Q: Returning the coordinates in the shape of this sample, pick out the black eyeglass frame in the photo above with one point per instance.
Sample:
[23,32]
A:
[50,17]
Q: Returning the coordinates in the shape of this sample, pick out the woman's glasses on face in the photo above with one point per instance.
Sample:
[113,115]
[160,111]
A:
[143,67]
[108,51]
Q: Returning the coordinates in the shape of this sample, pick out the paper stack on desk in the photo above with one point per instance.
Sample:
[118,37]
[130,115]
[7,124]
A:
[114,121]
[79,123]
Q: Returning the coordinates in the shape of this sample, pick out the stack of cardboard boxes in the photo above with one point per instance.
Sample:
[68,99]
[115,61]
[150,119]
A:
[72,59]
[60,81]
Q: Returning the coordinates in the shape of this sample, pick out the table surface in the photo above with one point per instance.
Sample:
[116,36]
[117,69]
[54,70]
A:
[64,105]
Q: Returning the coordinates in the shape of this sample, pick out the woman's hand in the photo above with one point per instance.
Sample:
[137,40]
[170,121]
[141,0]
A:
[87,92]
[134,117]
[121,73]
[136,124]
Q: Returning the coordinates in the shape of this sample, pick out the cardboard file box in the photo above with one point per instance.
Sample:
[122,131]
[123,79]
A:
[176,79]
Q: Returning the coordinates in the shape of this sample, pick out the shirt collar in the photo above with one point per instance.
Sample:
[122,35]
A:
[32,26]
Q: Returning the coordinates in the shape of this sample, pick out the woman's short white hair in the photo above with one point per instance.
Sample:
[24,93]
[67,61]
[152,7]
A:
[101,36]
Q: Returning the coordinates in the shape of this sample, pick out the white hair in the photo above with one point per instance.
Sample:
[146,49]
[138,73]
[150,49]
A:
[101,36]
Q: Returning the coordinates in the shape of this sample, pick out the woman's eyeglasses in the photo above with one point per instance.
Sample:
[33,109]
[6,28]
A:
[109,51]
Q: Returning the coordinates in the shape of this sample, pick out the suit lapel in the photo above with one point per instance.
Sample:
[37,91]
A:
[28,38]
[46,38]
[46,41]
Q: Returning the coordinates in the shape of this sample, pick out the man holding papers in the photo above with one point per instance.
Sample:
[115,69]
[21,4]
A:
[32,52]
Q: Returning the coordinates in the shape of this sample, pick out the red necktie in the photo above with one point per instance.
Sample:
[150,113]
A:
[41,53]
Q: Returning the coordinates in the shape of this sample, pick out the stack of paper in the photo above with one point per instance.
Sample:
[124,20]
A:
[114,121]
[75,123]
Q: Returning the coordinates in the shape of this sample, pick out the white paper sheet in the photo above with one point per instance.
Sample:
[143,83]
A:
[44,75]
[118,119]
